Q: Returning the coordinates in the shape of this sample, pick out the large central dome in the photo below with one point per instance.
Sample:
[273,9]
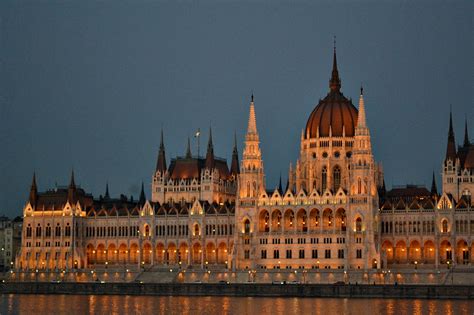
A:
[335,112]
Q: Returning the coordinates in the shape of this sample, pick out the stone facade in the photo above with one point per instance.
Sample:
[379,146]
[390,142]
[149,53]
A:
[334,212]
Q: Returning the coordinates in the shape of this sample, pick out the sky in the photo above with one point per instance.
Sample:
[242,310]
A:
[88,85]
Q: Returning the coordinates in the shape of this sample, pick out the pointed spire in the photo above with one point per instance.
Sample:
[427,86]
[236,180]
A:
[252,125]
[361,123]
[451,147]
[33,182]
[210,152]
[188,150]
[33,191]
[280,188]
[142,198]
[107,195]
[335,82]
[467,143]
[71,192]
[234,166]
[161,161]
[434,189]
[72,183]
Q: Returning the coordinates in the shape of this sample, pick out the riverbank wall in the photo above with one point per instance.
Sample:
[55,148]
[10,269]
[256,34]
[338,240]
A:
[245,290]
[308,276]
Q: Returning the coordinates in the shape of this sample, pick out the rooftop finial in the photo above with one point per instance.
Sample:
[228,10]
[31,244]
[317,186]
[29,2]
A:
[335,82]
[466,135]
[251,97]
[361,90]
[188,149]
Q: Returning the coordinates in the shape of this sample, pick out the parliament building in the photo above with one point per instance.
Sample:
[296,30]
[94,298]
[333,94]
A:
[203,213]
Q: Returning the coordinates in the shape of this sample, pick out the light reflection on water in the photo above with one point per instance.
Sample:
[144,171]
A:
[120,304]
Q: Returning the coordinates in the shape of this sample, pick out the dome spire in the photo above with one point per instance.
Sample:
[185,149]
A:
[335,82]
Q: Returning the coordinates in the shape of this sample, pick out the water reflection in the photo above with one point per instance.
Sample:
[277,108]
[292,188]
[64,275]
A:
[116,304]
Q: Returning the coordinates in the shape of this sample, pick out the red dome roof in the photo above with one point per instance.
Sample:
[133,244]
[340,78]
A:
[335,112]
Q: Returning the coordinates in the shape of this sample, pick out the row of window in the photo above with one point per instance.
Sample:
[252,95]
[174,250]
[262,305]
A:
[111,231]
[462,226]
[47,231]
[313,240]
[301,254]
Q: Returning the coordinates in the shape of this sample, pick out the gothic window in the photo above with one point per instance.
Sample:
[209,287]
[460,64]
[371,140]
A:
[68,230]
[324,179]
[359,186]
[358,225]
[247,226]
[248,189]
[28,231]
[336,178]
[444,226]
[38,231]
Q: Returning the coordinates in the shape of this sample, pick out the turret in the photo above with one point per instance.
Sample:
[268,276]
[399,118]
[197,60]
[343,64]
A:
[451,147]
[161,161]
[33,192]
[71,191]
[188,150]
[142,198]
[434,189]
[210,162]
[467,143]
[107,195]
[234,166]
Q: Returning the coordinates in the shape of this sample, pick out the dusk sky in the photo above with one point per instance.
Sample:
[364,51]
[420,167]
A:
[88,85]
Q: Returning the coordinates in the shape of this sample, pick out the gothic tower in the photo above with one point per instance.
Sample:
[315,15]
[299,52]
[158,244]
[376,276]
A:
[251,184]
[363,209]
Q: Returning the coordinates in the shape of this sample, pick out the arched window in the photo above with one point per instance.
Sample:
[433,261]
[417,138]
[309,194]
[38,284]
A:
[324,179]
[38,231]
[246,226]
[48,231]
[196,230]
[68,230]
[358,225]
[359,186]
[28,231]
[336,178]
[254,193]
[248,189]
[444,226]
[147,230]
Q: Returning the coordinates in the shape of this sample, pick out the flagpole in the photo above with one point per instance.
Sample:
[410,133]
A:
[198,135]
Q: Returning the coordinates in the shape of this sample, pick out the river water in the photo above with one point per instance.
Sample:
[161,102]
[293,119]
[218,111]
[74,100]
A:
[120,304]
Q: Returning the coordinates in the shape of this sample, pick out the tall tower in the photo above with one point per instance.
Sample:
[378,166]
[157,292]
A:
[251,178]
[251,184]
[363,211]
[451,165]
[158,180]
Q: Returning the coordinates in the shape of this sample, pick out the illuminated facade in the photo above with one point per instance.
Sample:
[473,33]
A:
[334,212]
[327,217]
